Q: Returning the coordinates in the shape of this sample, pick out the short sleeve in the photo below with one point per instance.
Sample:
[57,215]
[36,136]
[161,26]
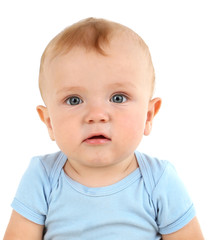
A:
[32,195]
[172,202]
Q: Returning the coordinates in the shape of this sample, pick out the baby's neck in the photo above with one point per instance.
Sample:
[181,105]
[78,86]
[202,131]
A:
[101,176]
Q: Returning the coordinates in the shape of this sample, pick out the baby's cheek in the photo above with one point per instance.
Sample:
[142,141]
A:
[133,127]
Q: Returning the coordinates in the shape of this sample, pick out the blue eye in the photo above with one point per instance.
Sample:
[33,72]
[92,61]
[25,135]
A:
[118,98]
[74,100]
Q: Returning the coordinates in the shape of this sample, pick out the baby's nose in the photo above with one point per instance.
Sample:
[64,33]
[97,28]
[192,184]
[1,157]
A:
[96,114]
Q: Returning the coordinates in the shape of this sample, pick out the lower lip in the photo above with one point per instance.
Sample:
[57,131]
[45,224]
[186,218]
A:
[97,141]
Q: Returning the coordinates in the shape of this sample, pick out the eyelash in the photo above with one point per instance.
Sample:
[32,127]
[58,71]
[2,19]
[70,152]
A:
[120,94]
[73,97]
[69,100]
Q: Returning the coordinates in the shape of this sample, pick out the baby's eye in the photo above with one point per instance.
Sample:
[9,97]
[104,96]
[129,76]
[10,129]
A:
[118,98]
[74,100]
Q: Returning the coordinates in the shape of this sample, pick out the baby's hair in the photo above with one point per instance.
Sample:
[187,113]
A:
[90,34]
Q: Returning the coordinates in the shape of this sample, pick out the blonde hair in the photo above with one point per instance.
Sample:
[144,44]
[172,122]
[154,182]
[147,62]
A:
[91,34]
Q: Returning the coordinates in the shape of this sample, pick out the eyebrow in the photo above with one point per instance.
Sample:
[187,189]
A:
[80,88]
[70,89]
[119,84]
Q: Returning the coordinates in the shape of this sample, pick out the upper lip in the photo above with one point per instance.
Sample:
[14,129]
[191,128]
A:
[96,135]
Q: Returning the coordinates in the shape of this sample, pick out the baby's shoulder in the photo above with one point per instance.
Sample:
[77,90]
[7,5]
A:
[49,165]
[153,169]
[51,162]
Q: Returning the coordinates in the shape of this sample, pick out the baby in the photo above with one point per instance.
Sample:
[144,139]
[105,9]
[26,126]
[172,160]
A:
[97,81]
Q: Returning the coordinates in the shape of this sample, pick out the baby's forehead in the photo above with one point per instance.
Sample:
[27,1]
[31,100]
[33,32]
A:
[80,67]
[121,51]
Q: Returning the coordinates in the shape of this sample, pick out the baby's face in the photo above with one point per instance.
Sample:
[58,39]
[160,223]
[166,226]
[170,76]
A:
[97,106]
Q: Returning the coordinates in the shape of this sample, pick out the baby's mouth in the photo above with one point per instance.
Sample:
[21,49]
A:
[97,139]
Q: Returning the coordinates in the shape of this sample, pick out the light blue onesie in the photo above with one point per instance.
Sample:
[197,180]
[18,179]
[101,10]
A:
[149,202]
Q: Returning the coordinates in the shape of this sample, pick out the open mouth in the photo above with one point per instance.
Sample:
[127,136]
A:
[97,139]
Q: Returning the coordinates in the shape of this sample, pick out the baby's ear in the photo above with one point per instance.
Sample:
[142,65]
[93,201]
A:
[153,108]
[45,118]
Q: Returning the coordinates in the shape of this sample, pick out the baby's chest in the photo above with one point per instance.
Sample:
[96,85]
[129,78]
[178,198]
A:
[116,216]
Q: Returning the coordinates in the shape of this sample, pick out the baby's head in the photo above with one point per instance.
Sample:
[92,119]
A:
[95,35]
[97,81]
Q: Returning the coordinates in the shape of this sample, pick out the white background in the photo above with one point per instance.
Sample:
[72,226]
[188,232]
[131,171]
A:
[177,33]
